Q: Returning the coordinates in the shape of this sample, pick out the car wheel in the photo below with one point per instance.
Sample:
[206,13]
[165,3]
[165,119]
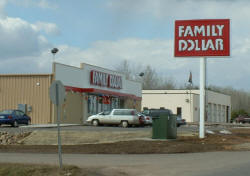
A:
[15,124]
[124,124]
[29,122]
[95,123]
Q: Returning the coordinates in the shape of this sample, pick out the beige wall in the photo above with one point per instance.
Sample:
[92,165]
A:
[72,109]
[171,99]
[196,108]
[32,90]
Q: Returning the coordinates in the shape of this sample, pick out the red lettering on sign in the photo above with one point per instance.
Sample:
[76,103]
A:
[105,80]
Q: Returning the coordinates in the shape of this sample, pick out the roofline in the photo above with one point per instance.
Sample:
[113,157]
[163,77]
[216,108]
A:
[103,68]
[181,90]
[54,63]
[42,74]
[172,93]
[82,64]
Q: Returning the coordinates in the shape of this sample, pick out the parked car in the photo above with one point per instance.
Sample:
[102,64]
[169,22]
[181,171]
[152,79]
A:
[14,118]
[157,112]
[180,121]
[123,117]
[147,119]
[242,119]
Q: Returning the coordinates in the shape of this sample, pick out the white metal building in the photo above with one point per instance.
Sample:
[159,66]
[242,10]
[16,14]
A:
[186,104]
[91,89]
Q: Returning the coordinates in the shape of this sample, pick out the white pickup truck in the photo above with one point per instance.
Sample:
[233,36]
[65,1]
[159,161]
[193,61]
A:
[123,117]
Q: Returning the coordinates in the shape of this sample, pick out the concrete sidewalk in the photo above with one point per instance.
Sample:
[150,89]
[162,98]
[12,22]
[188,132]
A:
[48,125]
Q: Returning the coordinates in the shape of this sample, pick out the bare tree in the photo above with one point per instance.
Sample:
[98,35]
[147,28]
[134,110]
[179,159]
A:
[166,83]
[150,79]
[125,68]
[240,99]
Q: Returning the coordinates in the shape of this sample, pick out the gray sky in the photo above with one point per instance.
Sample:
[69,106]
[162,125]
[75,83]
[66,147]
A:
[105,33]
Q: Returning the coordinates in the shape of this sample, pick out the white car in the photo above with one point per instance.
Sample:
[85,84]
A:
[123,117]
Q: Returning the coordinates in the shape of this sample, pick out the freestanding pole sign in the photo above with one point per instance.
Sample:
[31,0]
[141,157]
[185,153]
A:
[202,38]
[57,95]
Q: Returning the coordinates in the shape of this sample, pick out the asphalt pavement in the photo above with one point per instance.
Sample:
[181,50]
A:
[192,164]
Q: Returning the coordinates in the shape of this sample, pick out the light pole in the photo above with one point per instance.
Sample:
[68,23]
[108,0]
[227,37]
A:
[141,75]
[54,51]
[190,81]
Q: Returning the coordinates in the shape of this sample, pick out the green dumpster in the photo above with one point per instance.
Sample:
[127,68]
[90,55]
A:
[164,127]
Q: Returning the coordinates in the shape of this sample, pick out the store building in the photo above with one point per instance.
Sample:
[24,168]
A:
[89,90]
[186,104]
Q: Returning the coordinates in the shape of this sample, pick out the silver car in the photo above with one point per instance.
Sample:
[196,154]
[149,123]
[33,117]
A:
[123,117]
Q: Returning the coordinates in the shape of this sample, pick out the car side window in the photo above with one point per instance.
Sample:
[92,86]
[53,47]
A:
[16,113]
[106,113]
[146,112]
[129,112]
[21,113]
[117,112]
[126,112]
[133,112]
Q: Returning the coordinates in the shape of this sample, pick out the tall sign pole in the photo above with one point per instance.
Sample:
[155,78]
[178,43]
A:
[203,65]
[202,38]
[57,96]
[58,126]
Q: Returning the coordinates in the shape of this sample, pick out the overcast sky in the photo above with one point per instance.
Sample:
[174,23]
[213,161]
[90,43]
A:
[106,32]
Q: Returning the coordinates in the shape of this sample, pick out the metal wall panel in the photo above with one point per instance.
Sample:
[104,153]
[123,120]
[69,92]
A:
[32,90]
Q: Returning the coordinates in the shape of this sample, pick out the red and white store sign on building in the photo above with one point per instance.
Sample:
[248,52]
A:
[210,37]
[105,80]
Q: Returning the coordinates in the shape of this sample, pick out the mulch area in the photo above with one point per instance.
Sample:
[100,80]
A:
[212,142]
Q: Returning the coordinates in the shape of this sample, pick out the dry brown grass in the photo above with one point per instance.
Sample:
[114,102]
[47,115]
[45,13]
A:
[38,170]
[7,169]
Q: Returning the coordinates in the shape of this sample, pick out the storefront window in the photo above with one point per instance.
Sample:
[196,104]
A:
[98,103]
[100,108]
[115,103]
[92,104]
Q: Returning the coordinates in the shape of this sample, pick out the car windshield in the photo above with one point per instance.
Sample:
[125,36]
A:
[146,112]
[105,113]
[6,112]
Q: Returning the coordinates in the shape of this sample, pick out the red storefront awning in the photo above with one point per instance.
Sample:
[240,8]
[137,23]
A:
[100,91]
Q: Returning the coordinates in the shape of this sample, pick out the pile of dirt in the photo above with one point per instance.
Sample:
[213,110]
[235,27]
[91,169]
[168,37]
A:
[87,137]
[7,138]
